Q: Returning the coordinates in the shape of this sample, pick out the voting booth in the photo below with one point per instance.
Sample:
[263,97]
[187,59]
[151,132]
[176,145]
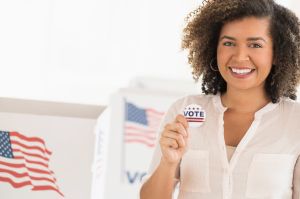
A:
[126,134]
[134,118]
[46,149]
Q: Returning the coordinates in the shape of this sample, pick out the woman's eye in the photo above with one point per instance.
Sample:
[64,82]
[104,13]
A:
[228,43]
[255,46]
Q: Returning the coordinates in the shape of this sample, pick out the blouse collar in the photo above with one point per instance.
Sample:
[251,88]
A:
[267,108]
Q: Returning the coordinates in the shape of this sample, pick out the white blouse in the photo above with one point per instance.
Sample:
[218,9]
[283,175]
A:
[230,150]
[261,166]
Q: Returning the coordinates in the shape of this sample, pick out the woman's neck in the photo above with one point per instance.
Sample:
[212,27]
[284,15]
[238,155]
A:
[244,101]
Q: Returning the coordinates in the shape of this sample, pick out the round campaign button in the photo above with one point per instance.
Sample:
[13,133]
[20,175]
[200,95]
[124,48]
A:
[195,115]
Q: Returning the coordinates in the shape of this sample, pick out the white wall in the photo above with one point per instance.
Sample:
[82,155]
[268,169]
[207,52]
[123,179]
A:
[82,51]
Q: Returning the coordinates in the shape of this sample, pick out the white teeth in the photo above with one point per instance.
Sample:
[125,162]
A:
[241,71]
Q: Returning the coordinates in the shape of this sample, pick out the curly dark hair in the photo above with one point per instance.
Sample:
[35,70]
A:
[201,35]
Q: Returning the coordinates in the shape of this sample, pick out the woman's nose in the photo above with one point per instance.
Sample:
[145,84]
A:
[241,53]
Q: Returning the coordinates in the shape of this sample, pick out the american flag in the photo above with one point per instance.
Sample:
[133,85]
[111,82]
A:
[24,161]
[141,124]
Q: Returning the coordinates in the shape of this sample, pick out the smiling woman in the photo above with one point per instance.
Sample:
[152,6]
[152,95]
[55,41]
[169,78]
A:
[246,143]
[245,55]
[280,27]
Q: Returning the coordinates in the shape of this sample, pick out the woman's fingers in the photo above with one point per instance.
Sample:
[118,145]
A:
[176,127]
[167,142]
[173,140]
[182,120]
[177,137]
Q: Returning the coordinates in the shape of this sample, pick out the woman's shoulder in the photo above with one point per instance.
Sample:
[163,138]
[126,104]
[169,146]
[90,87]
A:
[290,106]
[289,115]
[290,103]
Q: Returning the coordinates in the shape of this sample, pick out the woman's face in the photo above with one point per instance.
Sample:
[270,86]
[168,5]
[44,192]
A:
[245,53]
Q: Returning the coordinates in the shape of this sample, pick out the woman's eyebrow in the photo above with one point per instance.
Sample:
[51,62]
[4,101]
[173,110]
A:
[256,38]
[248,39]
[227,37]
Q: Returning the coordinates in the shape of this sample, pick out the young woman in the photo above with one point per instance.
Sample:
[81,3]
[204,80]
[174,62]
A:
[247,141]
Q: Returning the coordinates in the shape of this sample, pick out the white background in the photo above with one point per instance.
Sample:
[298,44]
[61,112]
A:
[82,51]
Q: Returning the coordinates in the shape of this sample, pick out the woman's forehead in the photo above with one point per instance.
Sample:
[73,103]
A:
[249,26]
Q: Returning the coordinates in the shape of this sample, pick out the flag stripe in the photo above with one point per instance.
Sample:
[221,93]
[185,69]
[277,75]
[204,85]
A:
[43,188]
[14,184]
[30,139]
[26,150]
[14,142]
[25,170]
[35,184]
[155,112]
[32,162]
[150,138]
[35,181]
[39,171]
[31,154]
[19,154]
[13,173]
[140,129]
[23,162]
[29,168]
[26,174]
[42,178]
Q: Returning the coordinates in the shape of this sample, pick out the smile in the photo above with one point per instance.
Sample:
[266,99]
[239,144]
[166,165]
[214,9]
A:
[241,72]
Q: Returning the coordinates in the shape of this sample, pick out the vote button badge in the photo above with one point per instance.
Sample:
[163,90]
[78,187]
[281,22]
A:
[195,115]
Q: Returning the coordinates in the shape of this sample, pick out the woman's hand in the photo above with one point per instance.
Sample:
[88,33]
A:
[173,141]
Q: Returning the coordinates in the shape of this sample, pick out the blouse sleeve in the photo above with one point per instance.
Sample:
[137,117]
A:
[296,180]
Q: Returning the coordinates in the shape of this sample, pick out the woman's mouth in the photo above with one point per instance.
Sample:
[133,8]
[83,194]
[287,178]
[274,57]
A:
[241,72]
